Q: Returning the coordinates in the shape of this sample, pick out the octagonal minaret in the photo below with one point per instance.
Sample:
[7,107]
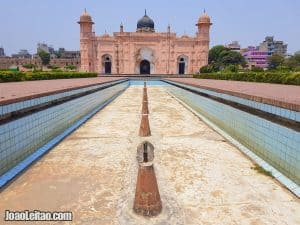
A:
[203,36]
[203,25]
[87,42]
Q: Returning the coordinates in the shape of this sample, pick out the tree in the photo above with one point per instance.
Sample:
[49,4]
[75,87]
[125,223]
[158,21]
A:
[232,58]
[206,69]
[275,61]
[220,57]
[214,53]
[45,57]
[293,62]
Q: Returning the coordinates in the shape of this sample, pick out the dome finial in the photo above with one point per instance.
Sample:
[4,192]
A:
[145,12]
[85,17]
[204,11]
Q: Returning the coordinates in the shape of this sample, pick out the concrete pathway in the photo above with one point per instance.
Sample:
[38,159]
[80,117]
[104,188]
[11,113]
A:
[12,92]
[285,96]
[204,179]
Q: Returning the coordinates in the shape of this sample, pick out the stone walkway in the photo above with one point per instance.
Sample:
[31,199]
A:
[204,179]
[16,91]
[286,96]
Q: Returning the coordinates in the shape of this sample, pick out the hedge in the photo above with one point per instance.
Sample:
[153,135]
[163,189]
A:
[263,77]
[9,76]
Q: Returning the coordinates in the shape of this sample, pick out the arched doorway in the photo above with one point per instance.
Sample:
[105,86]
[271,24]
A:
[145,61]
[182,64]
[145,67]
[107,64]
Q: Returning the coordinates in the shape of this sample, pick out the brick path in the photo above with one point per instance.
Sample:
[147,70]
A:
[18,91]
[285,96]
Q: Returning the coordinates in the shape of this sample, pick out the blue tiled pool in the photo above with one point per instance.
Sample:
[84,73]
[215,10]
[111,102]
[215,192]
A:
[276,144]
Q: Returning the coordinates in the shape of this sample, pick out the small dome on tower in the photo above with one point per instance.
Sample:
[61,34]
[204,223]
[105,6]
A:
[85,17]
[204,18]
[145,24]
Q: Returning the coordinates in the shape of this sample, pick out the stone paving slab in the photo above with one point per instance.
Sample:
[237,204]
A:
[18,91]
[285,96]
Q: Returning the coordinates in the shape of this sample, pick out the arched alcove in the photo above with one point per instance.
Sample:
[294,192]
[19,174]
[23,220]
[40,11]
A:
[143,57]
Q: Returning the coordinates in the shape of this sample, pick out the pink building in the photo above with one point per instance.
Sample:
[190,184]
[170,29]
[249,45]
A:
[256,58]
[144,51]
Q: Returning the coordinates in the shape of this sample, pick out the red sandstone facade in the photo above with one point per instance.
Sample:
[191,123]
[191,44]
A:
[144,51]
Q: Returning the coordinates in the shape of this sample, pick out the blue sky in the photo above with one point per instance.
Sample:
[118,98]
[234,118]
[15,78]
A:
[24,23]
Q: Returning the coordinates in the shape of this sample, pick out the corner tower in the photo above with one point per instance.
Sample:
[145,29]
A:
[87,41]
[204,26]
[203,37]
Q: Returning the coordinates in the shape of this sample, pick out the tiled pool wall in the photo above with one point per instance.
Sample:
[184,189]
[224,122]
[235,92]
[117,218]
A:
[285,113]
[277,145]
[21,137]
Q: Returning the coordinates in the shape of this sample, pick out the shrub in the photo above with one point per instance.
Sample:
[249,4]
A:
[206,69]
[278,77]
[53,67]
[29,65]
[232,68]
[257,69]
[70,67]
[9,76]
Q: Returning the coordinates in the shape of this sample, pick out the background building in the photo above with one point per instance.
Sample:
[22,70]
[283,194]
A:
[7,62]
[23,54]
[273,47]
[234,46]
[2,53]
[42,47]
[256,57]
[62,53]
[61,58]
[144,51]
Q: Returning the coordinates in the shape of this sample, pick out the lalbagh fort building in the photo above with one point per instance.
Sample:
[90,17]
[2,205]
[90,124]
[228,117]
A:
[144,51]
